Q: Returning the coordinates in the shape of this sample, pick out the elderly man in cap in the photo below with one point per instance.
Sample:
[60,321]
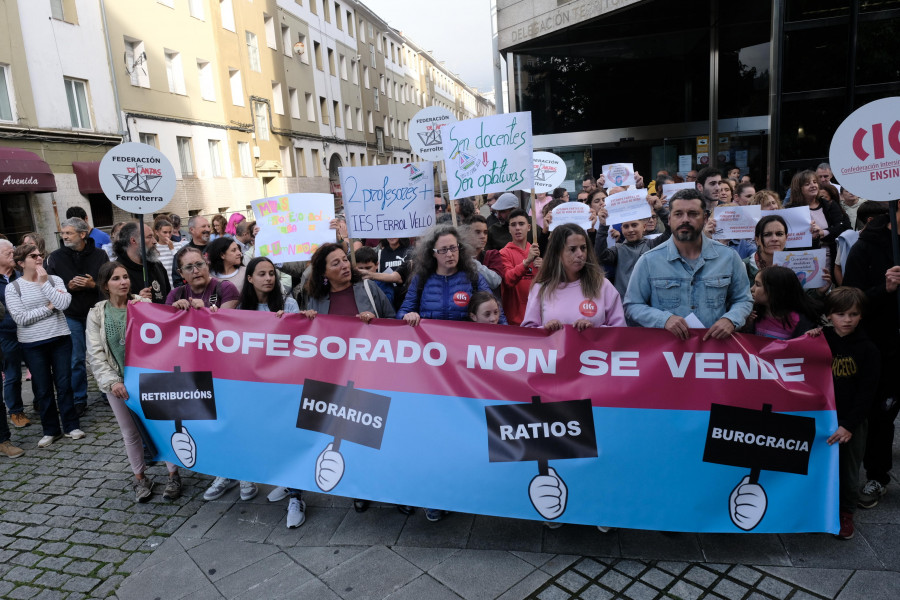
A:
[498,233]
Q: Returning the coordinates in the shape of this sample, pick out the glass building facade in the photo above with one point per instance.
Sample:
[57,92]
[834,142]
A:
[679,85]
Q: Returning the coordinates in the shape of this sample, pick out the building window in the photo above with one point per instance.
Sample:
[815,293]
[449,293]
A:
[215,159]
[150,139]
[377,101]
[286,169]
[136,62]
[366,77]
[237,88]
[389,94]
[359,121]
[262,121]
[313,8]
[336,109]
[7,105]
[269,23]
[196,9]
[56,10]
[300,159]
[337,16]
[227,10]
[304,58]
[310,108]
[294,99]
[185,155]
[253,51]
[326,10]
[317,50]
[343,63]
[362,31]
[349,23]
[354,72]
[76,94]
[331,68]
[371,121]
[286,40]
[244,158]
[174,72]
[316,164]
[277,99]
[323,110]
[379,139]
[205,76]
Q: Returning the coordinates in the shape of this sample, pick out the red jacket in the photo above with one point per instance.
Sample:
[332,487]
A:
[517,280]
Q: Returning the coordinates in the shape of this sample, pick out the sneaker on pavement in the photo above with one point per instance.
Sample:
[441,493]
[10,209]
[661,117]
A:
[296,514]
[75,434]
[19,420]
[47,440]
[218,488]
[847,529]
[248,490]
[173,487]
[7,449]
[434,514]
[278,493]
[604,529]
[142,489]
[871,493]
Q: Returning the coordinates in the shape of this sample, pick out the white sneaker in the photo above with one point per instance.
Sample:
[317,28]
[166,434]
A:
[47,440]
[248,490]
[218,488]
[552,524]
[75,434]
[278,493]
[296,514]
[604,529]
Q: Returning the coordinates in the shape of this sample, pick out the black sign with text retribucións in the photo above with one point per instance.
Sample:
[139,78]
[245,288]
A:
[541,431]
[343,412]
[759,439]
[178,396]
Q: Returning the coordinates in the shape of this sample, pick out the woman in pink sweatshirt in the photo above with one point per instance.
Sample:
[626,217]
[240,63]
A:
[570,288]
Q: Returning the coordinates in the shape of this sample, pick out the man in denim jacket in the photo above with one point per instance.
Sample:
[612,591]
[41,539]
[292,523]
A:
[689,274]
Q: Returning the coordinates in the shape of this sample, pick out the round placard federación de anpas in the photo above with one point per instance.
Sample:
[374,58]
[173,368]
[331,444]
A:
[425,132]
[137,178]
[865,151]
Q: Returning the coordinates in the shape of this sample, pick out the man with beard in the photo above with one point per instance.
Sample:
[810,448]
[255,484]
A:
[689,274]
[78,264]
[199,231]
[128,252]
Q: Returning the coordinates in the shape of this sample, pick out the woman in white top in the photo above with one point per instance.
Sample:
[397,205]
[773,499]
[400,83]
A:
[162,228]
[36,302]
[225,260]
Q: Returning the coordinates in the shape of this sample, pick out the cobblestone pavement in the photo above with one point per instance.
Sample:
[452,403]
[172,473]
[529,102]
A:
[70,529]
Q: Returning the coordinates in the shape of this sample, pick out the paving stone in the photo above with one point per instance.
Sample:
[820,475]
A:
[868,585]
[23,592]
[826,582]
[773,587]
[81,567]
[595,592]
[450,532]
[315,589]
[615,580]
[558,563]
[762,549]
[497,533]
[583,540]
[525,587]
[277,573]
[730,589]
[247,522]
[824,551]
[745,574]
[685,590]
[631,568]
[23,574]
[572,581]
[656,578]
[26,559]
[424,558]
[640,591]
[554,592]
[424,587]
[218,558]
[172,578]
[701,576]
[376,526]
[657,545]
[81,584]
[320,525]
[589,568]
[374,573]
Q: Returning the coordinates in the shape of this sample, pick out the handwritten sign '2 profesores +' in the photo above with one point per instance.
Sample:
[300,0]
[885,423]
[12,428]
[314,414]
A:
[491,154]
[388,201]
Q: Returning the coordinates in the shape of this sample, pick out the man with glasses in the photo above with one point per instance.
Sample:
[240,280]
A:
[691,176]
[128,252]
[78,264]
[689,274]
[439,205]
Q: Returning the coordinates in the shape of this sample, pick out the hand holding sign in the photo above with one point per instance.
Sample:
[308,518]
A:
[329,468]
[747,504]
[185,448]
[548,494]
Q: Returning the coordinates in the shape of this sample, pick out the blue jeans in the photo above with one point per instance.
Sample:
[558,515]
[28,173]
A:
[12,374]
[50,365]
[79,371]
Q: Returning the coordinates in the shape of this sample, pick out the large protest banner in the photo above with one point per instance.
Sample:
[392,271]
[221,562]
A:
[490,154]
[388,201]
[619,427]
[292,226]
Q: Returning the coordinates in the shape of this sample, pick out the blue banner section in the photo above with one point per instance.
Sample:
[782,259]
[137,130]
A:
[643,468]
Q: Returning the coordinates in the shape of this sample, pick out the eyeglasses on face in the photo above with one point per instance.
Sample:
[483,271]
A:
[452,249]
[439,208]
[35,255]
[197,266]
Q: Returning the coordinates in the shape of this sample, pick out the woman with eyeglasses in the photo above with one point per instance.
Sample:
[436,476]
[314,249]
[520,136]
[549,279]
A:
[200,290]
[444,278]
[36,302]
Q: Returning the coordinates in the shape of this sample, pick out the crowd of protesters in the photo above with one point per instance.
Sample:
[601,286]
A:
[487,263]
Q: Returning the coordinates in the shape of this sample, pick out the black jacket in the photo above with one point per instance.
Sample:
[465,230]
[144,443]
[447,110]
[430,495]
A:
[67,264]
[855,366]
[159,280]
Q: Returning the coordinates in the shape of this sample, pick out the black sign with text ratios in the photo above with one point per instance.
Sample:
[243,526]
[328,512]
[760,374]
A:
[541,431]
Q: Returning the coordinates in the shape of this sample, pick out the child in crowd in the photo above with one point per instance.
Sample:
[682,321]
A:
[623,256]
[484,308]
[855,368]
[781,309]
[367,262]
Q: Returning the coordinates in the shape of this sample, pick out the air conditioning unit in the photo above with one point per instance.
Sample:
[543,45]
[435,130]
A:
[255,151]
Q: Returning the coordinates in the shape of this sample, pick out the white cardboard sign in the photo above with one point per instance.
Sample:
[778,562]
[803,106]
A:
[385,201]
[619,174]
[292,226]
[865,151]
[629,205]
[809,265]
[798,221]
[549,172]
[669,189]
[571,212]
[425,131]
[137,178]
[736,222]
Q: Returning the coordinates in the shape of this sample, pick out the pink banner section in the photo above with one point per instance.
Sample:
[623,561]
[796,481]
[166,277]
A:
[614,367]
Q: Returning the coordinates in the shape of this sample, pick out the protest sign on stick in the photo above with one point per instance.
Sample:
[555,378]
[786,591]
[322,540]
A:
[388,200]
[629,205]
[292,226]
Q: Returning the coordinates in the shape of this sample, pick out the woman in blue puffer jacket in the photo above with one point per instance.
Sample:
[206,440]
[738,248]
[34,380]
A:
[444,279]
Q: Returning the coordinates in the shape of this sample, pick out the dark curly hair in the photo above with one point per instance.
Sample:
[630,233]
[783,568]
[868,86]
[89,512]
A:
[316,287]
[425,262]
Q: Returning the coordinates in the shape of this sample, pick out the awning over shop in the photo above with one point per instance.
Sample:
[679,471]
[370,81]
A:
[23,171]
[88,176]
